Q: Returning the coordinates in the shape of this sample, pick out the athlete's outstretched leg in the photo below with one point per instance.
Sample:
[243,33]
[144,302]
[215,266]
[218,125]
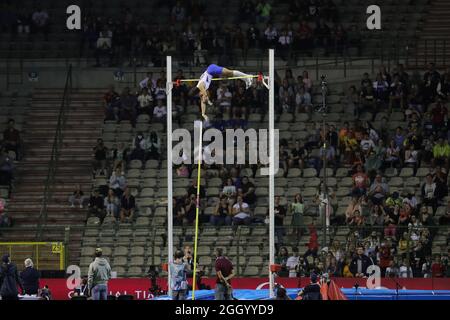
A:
[227,73]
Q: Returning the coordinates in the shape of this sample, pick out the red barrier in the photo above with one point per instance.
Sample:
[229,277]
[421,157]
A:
[139,286]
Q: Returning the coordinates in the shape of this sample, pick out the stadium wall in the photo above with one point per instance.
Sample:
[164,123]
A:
[138,287]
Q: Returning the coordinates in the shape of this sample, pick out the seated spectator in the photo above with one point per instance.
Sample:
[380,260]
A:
[360,181]
[411,157]
[179,217]
[24,21]
[117,182]
[183,171]
[441,153]
[41,21]
[11,139]
[297,156]
[96,206]
[303,101]
[392,271]
[248,191]
[263,11]
[153,151]
[119,156]
[104,46]
[100,156]
[6,168]
[397,93]
[128,105]
[444,220]
[378,190]
[128,206]
[5,220]
[160,111]
[271,35]
[293,262]
[178,13]
[346,273]
[392,155]
[148,82]
[112,204]
[222,214]
[190,206]
[381,88]
[145,103]
[353,206]
[357,220]
[229,189]
[360,263]
[77,197]
[282,259]
[112,104]
[313,244]
[241,213]
[428,191]
[405,270]
[139,147]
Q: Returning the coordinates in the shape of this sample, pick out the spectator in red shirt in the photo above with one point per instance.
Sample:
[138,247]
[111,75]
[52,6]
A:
[360,182]
[385,258]
[224,272]
[304,35]
[313,244]
[11,139]
[437,269]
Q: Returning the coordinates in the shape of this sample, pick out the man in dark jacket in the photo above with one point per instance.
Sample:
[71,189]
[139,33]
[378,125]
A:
[9,280]
[30,278]
[312,290]
[360,263]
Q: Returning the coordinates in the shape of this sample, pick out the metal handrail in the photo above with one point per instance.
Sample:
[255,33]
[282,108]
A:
[53,164]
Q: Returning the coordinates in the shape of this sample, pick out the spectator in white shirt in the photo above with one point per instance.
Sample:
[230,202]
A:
[145,102]
[224,97]
[160,112]
[148,82]
[405,271]
[104,45]
[117,182]
[241,213]
[284,44]
[271,35]
[292,263]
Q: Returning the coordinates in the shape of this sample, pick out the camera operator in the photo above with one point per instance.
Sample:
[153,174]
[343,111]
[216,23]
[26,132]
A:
[178,277]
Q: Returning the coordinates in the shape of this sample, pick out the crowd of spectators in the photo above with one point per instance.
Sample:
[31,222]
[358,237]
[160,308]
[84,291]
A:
[392,227]
[130,36]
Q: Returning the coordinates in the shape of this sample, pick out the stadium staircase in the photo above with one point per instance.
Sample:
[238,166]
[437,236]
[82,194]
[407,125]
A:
[83,126]
[434,44]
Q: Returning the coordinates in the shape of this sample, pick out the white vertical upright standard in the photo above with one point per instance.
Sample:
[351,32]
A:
[271,170]
[169,86]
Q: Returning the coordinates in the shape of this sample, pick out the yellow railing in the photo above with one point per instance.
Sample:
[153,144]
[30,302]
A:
[45,255]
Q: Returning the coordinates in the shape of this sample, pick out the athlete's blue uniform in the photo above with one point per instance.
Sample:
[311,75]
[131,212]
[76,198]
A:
[215,70]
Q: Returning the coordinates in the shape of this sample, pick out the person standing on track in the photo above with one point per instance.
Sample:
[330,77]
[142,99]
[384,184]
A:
[224,271]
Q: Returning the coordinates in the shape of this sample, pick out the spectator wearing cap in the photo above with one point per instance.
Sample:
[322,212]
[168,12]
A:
[9,279]
[98,276]
[30,278]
